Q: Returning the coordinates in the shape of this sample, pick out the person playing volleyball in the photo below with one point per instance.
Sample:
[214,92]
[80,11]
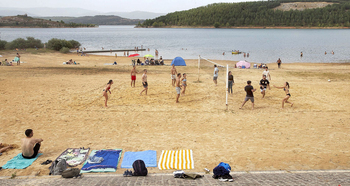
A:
[108,87]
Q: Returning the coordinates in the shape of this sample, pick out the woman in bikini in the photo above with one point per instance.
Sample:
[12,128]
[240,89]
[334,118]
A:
[108,87]
[184,83]
[286,89]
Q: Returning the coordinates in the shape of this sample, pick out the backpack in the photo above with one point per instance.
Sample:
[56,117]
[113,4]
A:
[71,172]
[139,168]
[225,165]
[57,167]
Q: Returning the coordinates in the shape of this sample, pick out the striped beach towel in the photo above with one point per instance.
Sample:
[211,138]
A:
[176,159]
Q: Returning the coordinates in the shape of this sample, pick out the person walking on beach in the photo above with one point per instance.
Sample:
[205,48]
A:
[184,83]
[279,62]
[216,75]
[249,96]
[286,90]
[178,88]
[144,82]
[30,146]
[264,83]
[267,73]
[108,87]
[173,75]
[133,75]
[230,82]
[18,59]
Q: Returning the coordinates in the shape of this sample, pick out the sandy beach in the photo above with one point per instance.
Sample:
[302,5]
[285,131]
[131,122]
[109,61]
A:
[63,104]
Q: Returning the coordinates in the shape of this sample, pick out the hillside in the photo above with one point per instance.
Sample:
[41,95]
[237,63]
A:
[98,20]
[26,21]
[335,13]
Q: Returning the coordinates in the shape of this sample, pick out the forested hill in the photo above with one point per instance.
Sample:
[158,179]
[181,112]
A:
[335,13]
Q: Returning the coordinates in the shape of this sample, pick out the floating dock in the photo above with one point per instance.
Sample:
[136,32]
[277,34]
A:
[104,51]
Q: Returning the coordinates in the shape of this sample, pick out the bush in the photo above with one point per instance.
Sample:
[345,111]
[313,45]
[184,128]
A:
[217,25]
[2,44]
[64,50]
[31,42]
[58,44]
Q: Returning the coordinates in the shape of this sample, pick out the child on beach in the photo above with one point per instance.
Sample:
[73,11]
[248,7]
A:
[286,90]
[184,83]
[177,87]
[144,82]
[108,87]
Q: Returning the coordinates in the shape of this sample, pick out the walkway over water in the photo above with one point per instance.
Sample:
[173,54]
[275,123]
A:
[103,51]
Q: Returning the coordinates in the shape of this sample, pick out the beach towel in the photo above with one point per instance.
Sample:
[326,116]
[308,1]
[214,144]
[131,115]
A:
[148,156]
[176,159]
[18,162]
[110,161]
[74,156]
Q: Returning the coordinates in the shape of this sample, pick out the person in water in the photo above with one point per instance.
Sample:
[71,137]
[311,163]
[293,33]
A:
[184,83]
[286,90]
[108,87]
[144,82]
[30,146]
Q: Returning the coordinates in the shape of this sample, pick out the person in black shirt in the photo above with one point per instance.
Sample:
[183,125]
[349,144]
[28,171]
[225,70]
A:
[264,83]
[249,89]
[230,82]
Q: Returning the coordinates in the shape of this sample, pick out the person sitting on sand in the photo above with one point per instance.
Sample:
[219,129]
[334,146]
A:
[30,146]
[138,62]
[161,62]
[286,90]
[250,96]
[173,75]
[147,61]
[264,83]
[177,87]
[144,82]
[133,75]
[184,83]
[108,87]
[4,149]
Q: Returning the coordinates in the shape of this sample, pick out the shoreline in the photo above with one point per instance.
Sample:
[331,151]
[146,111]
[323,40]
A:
[249,27]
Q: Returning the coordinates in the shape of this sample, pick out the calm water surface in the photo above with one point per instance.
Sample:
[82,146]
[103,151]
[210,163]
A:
[263,45]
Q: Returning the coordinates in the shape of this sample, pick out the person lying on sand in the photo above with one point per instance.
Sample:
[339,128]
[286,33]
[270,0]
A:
[30,146]
[3,148]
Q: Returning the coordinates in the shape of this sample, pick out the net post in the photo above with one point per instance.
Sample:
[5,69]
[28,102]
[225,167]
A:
[199,62]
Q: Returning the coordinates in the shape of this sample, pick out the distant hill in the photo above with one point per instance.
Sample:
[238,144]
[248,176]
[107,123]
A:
[335,13]
[27,21]
[97,20]
[73,12]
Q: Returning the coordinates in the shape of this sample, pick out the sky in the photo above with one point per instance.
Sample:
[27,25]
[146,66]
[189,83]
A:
[157,6]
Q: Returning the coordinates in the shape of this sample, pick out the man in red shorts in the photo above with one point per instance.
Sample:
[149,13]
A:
[133,75]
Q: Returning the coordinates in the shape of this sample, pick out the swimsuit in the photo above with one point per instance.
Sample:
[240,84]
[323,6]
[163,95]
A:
[145,85]
[288,93]
[36,150]
[184,80]
[133,77]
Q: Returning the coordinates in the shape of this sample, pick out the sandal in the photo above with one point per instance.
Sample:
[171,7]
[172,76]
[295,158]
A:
[46,162]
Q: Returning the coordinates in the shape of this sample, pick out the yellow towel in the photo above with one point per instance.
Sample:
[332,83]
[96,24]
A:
[176,159]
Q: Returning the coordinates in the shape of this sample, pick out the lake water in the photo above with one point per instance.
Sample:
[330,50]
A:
[263,45]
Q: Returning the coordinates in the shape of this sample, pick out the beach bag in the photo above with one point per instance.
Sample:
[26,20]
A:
[71,173]
[225,165]
[57,167]
[139,168]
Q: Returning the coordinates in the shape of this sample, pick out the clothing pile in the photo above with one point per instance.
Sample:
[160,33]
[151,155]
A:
[182,174]
[222,172]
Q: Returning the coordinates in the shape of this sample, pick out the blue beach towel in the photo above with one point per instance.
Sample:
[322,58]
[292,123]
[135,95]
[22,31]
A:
[148,156]
[18,162]
[110,161]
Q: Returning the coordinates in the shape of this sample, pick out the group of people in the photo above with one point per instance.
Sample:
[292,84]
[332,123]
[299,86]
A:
[71,62]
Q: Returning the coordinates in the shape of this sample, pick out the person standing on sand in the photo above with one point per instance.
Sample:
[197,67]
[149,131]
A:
[178,88]
[286,90]
[144,82]
[249,89]
[30,146]
[184,83]
[133,75]
[216,75]
[264,83]
[279,62]
[108,87]
[173,75]
[230,82]
[18,59]
[266,73]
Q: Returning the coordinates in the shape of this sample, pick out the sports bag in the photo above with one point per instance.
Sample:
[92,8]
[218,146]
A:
[71,173]
[225,165]
[139,168]
[57,167]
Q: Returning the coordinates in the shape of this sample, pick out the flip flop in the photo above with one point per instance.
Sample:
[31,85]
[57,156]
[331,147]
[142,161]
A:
[46,162]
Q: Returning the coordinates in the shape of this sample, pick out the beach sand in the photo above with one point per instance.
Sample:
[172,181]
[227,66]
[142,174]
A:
[63,104]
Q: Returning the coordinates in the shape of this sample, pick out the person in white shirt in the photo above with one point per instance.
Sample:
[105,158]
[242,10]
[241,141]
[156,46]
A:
[216,74]
[267,74]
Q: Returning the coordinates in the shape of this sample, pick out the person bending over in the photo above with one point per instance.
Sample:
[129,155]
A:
[30,145]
